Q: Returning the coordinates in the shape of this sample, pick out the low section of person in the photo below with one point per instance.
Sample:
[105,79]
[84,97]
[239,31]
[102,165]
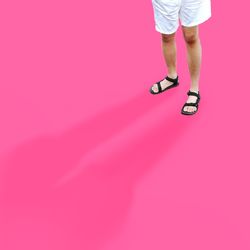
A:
[191,14]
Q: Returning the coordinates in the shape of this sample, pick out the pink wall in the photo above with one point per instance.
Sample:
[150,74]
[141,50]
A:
[90,160]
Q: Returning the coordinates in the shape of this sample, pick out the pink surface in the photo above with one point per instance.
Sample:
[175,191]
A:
[90,160]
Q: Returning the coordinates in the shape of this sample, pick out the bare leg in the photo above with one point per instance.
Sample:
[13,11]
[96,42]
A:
[194,53]
[169,53]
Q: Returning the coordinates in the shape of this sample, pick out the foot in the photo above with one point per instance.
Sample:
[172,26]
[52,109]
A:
[164,84]
[193,99]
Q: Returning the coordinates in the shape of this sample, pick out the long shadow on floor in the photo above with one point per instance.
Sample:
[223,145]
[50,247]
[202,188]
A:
[92,206]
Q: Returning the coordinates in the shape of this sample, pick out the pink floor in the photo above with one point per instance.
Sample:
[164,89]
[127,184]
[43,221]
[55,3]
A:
[90,160]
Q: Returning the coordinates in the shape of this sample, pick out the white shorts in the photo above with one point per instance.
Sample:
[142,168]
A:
[190,12]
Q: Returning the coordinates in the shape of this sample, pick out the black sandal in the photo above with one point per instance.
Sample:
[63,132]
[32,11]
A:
[193,104]
[160,90]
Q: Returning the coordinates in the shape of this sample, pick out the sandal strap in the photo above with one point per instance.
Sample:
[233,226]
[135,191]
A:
[171,79]
[193,104]
[175,81]
[193,93]
[159,86]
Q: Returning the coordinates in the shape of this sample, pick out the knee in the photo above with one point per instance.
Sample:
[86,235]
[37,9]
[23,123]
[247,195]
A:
[167,38]
[191,38]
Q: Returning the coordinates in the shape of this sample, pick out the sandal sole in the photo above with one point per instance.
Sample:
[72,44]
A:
[188,113]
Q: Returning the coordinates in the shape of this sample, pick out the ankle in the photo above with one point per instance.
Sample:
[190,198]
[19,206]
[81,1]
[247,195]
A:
[194,89]
[172,75]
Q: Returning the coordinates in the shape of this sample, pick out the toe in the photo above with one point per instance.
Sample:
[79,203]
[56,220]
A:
[155,88]
[189,109]
[192,109]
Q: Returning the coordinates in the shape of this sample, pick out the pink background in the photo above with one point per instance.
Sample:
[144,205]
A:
[90,160]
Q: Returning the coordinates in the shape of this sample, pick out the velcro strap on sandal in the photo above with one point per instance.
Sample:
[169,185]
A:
[193,94]
[191,104]
[171,79]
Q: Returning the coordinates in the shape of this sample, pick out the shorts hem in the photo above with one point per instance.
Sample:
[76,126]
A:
[197,22]
[166,32]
